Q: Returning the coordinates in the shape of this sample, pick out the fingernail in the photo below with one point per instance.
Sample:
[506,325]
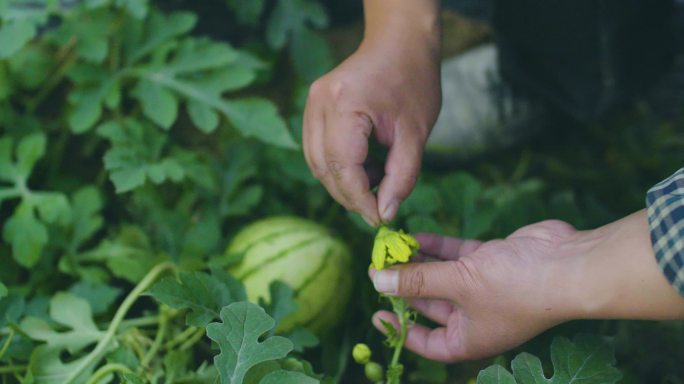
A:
[390,210]
[368,220]
[386,281]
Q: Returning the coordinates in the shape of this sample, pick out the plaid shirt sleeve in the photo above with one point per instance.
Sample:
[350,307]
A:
[665,202]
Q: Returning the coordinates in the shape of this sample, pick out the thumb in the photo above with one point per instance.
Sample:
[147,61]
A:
[429,280]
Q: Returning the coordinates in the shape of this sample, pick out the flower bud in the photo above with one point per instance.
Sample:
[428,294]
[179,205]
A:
[361,353]
[374,372]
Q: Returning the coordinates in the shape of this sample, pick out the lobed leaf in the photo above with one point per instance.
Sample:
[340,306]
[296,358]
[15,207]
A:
[71,312]
[584,360]
[288,377]
[202,293]
[238,338]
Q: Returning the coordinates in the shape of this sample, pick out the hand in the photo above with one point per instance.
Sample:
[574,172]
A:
[490,297]
[388,88]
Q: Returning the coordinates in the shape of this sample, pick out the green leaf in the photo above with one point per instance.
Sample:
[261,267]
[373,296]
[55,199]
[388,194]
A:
[203,294]
[247,12]
[86,214]
[288,377]
[310,53]
[90,31]
[425,199]
[290,16]
[159,29]
[302,339]
[495,374]
[94,86]
[12,308]
[99,296]
[203,116]
[71,312]
[201,83]
[52,207]
[29,150]
[135,155]
[129,255]
[586,359]
[259,118]
[238,334]
[202,236]
[14,35]
[282,302]
[46,367]
[243,202]
[132,378]
[159,105]
[27,235]
[3,290]
[137,8]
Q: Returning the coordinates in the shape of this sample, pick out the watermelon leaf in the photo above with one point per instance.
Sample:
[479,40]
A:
[288,377]
[282,302]
[202,293]
[586,359]
[238,338]
[495,374]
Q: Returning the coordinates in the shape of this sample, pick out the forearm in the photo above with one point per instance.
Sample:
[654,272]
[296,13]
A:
[412,23]
[617,275]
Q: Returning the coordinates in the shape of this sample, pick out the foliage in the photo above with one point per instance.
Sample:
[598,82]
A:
[584,360]
[135,141]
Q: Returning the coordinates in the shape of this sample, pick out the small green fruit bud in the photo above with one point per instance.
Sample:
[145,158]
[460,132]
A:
[361,353]
[374,371]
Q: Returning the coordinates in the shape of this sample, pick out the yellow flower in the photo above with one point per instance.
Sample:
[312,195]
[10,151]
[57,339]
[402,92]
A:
[392,247]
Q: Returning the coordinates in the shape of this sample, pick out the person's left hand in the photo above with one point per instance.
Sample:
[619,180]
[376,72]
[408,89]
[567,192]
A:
[488,297]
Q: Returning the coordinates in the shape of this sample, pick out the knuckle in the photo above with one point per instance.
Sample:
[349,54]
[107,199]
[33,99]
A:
[414,284]
[317,87]
[338,89]
[335,168]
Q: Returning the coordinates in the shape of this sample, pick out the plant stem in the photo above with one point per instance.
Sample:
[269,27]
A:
[139,322]
[101,348]
[400,308]
[106,370]
[13,368]
[199,334]
[180,338]
[7,343]
[158,339]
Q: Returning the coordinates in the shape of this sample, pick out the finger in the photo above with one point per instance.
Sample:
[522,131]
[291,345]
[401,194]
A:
[434,344]
[312,136]
[429,280]
[438,311]
[346,147]
[446,248]
[314,152]
[401,172]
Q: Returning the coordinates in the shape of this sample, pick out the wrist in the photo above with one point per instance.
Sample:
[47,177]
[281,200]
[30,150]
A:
[615,275]
[414,24]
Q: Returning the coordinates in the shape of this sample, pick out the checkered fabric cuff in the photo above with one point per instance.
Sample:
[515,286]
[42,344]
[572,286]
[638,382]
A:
[665,202]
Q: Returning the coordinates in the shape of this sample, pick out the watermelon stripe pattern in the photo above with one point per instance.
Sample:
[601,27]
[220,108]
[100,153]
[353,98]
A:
[302,254]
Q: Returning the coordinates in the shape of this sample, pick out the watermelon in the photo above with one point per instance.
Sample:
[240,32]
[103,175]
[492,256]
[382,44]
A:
[305,256]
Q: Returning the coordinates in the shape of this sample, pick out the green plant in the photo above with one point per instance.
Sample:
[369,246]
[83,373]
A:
[133,148]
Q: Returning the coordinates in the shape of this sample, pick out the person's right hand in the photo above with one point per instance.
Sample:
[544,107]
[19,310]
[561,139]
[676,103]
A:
[489,297]
[388,88]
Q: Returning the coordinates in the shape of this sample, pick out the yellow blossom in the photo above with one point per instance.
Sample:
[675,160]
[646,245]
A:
[392,247]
